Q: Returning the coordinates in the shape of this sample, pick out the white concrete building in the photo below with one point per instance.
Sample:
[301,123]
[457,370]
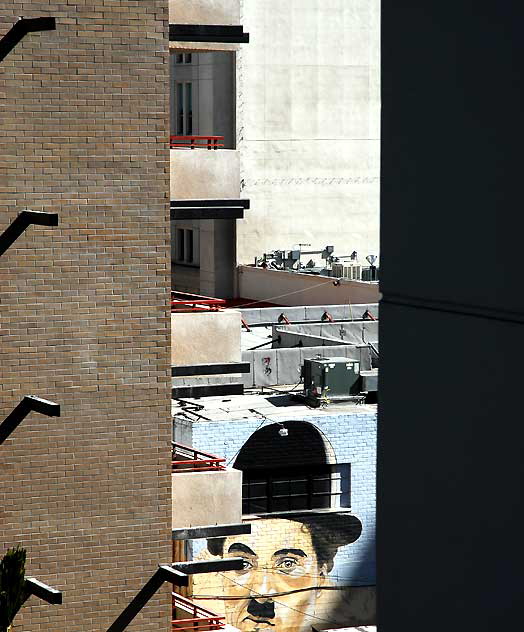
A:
[299,109]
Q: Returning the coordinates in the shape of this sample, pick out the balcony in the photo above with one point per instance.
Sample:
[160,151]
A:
[205,490]
[183,302]
[205,174]
[196,142]
[189,617]
[186,459]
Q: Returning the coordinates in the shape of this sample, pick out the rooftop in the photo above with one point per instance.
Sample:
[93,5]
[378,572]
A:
[276,405]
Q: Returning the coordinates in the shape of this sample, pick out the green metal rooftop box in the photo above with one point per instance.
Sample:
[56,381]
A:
[332,378]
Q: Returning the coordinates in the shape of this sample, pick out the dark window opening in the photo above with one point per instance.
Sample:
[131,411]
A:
[190,246]
[180,109]
[289,489]
[189,109]
[180,244]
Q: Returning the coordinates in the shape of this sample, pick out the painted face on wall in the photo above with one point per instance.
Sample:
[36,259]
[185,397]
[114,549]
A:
[281,579]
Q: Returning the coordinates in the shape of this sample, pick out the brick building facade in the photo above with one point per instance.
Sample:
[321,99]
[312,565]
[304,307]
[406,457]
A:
[84,307]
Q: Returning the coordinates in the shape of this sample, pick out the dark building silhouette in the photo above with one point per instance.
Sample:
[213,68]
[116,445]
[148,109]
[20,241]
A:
[452,336]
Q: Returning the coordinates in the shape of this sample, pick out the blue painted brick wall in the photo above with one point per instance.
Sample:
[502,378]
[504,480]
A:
[353,438]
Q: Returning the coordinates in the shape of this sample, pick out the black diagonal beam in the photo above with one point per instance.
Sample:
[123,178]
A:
[42,591]
[175,575]
[163,574]
[19,30]
[29,403]
[21,223]
[208,33]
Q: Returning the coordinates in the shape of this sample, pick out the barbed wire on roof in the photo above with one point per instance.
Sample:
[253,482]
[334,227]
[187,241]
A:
[246,183]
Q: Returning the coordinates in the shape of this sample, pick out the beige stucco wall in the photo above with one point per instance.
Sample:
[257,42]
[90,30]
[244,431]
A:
[197,338]
[308,121]
[287,288]
[225,12]
[206,498]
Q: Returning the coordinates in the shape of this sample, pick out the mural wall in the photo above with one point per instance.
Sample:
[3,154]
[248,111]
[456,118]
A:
[309,495]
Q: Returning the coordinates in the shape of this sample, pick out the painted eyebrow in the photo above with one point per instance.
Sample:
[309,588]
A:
[237,546]
[298,552]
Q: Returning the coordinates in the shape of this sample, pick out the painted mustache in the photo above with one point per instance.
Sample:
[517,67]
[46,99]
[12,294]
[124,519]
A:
[262,610]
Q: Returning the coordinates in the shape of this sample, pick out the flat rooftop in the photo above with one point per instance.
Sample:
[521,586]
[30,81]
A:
[276,405]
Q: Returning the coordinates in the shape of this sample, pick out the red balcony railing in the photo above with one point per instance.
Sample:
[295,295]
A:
[196,142]
[184,302]
[199,618]
[185,459]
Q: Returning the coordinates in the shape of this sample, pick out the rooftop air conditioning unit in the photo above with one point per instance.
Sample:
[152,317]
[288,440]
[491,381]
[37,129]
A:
[350,271]
[370,274]
[331,378]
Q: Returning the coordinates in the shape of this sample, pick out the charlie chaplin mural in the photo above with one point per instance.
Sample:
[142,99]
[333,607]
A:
[288,492]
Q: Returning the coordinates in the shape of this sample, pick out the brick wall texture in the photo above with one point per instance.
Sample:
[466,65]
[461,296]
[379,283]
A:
[84,307]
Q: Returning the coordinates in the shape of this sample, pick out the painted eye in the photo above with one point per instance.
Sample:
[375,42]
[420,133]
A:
[287,563]
[246,565]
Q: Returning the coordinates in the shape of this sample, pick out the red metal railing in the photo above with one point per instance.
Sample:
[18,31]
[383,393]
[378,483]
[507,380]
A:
[196,142]
[185,459]
[199,618]
[183,302]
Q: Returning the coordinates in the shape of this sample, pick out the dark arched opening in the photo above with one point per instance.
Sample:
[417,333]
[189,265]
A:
[287,467]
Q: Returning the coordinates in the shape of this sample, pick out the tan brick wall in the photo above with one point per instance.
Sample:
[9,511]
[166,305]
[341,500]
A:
[83,307]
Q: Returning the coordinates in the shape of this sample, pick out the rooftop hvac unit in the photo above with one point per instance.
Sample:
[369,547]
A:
[370,274]
[331,378]
[350,271]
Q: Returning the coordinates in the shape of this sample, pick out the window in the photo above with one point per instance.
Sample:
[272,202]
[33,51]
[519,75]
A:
[289,489]
[187,246]
[291,472]
[183,58]
[184,108]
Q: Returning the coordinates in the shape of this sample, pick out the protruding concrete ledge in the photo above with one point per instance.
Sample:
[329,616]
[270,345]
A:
[225,34]
[212,531]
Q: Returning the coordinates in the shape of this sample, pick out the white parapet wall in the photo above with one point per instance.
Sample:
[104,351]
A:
[206,498]
[197,338]
[289,288]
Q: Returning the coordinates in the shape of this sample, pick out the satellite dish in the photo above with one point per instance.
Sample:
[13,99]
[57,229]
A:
[371,259]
